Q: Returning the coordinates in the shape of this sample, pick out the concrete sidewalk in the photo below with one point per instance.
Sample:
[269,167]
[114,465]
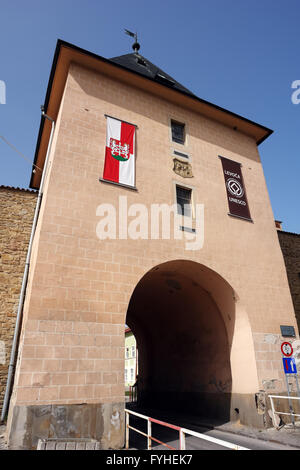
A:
[287,434]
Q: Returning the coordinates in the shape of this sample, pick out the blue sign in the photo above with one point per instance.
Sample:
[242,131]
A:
[289,365]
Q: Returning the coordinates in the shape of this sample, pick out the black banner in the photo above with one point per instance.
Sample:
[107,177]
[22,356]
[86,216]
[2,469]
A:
[236,193]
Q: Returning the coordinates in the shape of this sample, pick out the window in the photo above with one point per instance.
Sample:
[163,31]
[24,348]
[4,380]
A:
[178,132]
[125,375]
[184,201]
[127,353]
[181,155]
[131,374]
[132,351]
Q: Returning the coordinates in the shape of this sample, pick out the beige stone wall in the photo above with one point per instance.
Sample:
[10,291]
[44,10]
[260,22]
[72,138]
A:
[72,348]
[16,215]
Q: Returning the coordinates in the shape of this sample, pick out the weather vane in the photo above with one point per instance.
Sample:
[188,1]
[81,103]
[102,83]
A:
[136,46]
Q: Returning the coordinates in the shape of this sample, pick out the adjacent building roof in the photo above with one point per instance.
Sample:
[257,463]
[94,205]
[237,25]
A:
[12,188]
[288,233]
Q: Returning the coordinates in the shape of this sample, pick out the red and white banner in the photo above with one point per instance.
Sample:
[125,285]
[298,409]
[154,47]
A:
[119,165]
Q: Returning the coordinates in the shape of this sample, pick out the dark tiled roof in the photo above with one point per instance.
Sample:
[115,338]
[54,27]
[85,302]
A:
[139,64]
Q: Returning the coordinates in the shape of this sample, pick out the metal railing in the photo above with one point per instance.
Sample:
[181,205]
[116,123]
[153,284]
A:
[291,413]
[182,434]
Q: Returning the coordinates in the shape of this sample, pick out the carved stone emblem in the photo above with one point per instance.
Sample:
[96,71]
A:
[183,169]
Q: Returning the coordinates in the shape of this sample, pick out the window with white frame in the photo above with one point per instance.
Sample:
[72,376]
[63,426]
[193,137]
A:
[132,351]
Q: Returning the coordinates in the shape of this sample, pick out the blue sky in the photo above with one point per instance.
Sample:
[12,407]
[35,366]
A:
[241,55]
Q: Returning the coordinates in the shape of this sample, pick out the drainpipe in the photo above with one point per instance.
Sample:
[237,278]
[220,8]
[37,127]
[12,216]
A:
[14,349]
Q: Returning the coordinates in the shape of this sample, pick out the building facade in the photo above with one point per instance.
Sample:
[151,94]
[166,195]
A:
[206,308]
[290,246]
[16,215]
[130,370]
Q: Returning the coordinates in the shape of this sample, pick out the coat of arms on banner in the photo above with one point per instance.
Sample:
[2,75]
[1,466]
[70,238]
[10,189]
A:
[119,151]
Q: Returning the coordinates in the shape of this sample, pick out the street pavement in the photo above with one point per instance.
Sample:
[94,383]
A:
[286,438]
[194,443]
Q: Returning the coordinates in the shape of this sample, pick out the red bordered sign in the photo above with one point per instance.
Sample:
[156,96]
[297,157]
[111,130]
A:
[286,349]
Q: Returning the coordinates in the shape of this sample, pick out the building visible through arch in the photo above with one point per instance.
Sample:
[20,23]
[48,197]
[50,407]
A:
[209,313]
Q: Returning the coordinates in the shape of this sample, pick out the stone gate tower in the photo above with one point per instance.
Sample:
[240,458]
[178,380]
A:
[206,320]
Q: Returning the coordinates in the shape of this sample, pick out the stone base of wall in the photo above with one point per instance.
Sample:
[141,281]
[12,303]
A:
[103,422]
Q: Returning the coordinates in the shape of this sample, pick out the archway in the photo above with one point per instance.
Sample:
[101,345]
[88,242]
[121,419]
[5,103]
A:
[184,317]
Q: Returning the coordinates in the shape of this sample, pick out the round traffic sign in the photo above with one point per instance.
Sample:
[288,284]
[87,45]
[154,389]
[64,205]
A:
[286,349]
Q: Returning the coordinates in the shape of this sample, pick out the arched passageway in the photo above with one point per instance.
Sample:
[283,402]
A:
[183,316]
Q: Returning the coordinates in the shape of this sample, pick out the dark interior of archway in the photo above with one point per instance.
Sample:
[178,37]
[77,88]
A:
[183,351]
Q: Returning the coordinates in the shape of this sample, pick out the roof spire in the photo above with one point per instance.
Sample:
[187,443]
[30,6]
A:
[136,46]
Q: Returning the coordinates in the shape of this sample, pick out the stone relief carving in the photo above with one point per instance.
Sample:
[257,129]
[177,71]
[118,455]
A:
[183,169]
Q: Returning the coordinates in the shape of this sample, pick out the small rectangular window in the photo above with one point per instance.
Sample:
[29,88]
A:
[132,351]
[125,375]
[184,201]
[131,374]
[178,132]
[127,353]
[180,154]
